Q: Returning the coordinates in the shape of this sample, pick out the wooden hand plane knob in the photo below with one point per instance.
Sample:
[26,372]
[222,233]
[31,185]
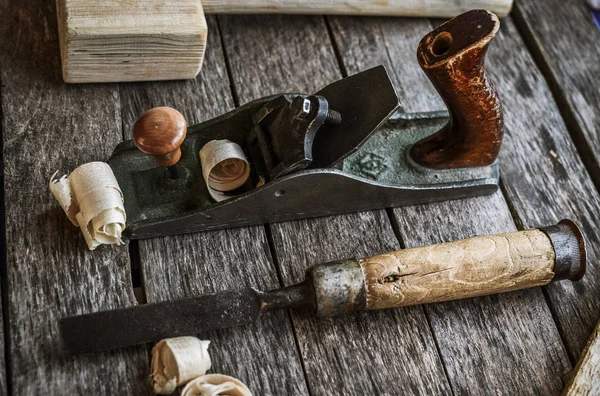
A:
[160,132]
[453,58]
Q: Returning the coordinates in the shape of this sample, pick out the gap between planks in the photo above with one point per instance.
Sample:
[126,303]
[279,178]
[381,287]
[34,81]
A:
[398,233]
[313,72]
[515,216]
[480,304]
[583,146]
[5,376]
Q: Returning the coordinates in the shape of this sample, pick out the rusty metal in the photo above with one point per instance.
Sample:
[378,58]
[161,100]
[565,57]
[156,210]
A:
[339,287]
[569,247]
[301,165]
[330,289]
[150,322]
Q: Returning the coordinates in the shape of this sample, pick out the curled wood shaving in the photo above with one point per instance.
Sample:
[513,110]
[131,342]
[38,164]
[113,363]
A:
[93,201]
[216,385]
[176,361]
[224,168]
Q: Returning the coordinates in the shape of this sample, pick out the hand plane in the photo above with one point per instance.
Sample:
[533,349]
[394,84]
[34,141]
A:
[343,149]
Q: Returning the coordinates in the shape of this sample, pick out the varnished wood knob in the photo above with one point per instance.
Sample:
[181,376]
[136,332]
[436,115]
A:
[160,132]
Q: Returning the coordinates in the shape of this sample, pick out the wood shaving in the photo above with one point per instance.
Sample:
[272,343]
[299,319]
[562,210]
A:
[93,201]
[216,385]
[176,361]
[224,168]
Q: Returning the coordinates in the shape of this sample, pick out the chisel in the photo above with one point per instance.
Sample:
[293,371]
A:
[467,268]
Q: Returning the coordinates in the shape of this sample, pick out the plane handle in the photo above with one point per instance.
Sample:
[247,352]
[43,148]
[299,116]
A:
[453,57]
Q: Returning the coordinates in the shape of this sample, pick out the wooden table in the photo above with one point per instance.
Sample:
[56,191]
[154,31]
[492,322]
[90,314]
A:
[545,62]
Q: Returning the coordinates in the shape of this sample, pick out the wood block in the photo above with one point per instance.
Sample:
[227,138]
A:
[131,40]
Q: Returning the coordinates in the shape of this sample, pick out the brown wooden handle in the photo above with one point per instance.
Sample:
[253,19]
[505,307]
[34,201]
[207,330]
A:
[453,58]
[160,132]
[473,267]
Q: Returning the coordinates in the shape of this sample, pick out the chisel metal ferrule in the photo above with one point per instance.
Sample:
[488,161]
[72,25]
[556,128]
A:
[569,249]
[339,287]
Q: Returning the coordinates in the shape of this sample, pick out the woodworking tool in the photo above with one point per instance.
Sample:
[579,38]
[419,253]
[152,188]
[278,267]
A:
[448,271]
[343,149]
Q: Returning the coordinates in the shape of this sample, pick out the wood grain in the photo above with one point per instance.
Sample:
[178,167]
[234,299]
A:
[367,353]
[49,126]
[545,178]
[506,344]
[453,57]
[585,380]
[159,132]
[563,38]
[423,8]
[131,40]
[3,347]
[460,269]
[264,355]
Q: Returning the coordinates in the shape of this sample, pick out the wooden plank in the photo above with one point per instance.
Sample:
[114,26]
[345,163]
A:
[564,40]
[421,8]
[368,353]
[48,126]
[585,380]
[482,341]
[505,344]
[545,179]
[201,263]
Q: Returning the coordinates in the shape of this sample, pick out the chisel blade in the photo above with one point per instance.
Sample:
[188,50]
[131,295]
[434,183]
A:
[152,322]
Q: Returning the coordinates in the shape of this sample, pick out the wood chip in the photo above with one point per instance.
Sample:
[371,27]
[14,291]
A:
[176,361]
[216,385]
[93,201]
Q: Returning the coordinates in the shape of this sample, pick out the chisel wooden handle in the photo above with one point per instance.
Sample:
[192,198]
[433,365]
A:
[448,271]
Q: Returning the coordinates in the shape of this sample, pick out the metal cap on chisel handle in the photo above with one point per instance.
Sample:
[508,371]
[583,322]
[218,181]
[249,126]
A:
[449,271]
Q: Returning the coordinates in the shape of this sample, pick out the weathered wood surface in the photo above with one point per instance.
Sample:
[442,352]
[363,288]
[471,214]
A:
[423,8]
[264,355]
[563,37]
[481,341]
[500,344]
[585,379]
[505,344]
[565,41]
[546,181]
[50,126]
[368,353]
